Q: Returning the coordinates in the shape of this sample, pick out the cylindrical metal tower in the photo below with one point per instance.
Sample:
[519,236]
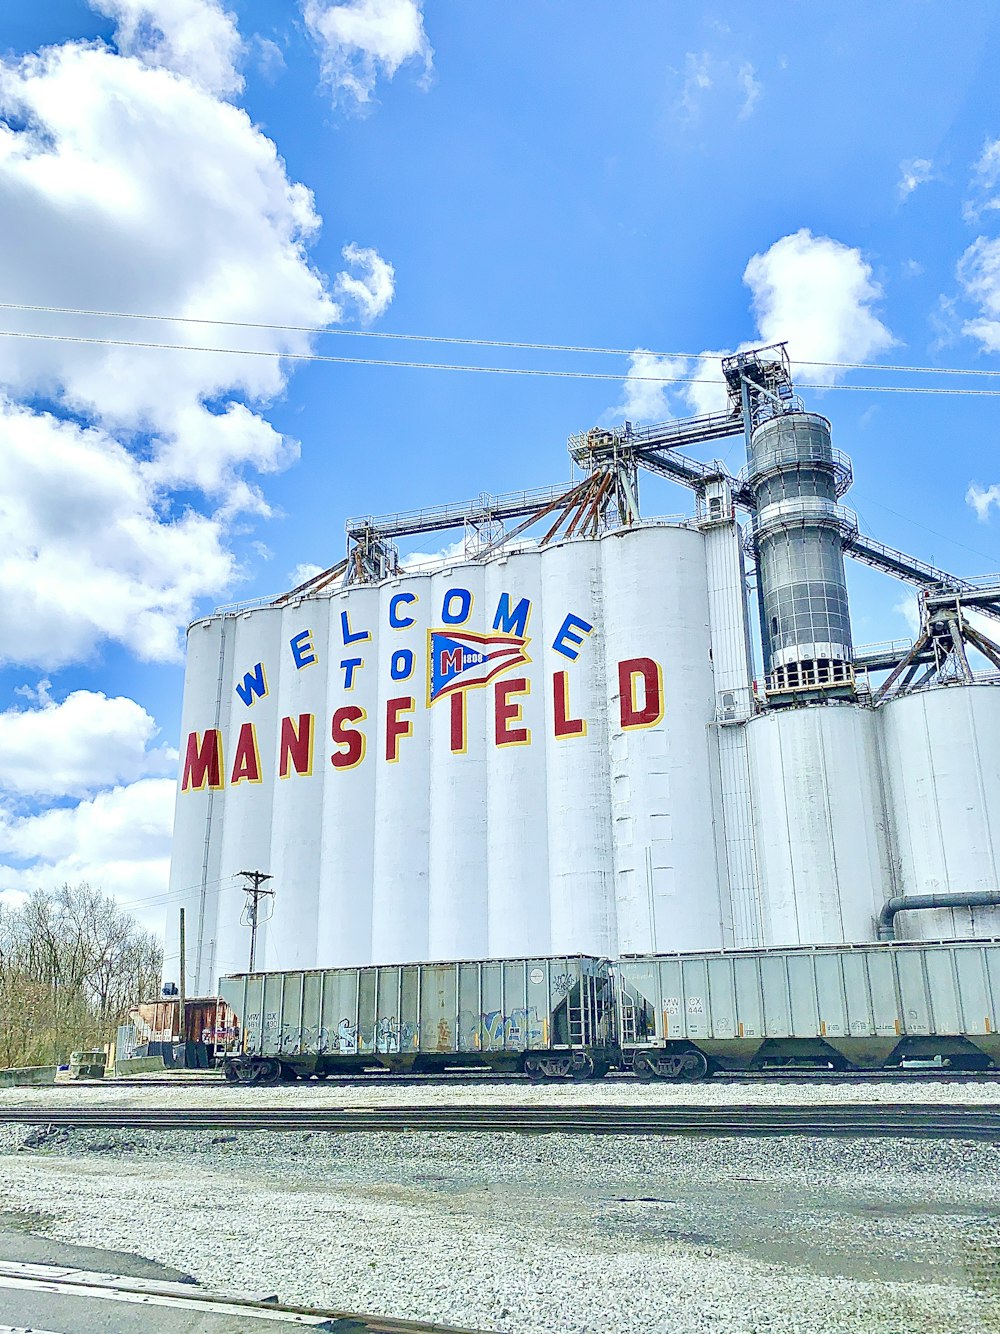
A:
[796,477]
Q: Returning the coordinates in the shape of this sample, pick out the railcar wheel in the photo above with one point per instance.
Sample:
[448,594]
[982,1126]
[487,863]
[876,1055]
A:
[268,1071]
[642,1068]
[582,1067]
[695,1066]
[231,1072]
[533,1069]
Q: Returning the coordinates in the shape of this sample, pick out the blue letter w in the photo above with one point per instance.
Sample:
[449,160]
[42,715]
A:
[253,685]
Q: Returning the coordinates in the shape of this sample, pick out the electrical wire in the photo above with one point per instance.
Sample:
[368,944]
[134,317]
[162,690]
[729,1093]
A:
[478,370]
[933,531]
[480,342]
[165,896]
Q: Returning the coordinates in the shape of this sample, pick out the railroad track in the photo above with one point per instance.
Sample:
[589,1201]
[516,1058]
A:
[908,1120]
[83,1285]
[728,1078]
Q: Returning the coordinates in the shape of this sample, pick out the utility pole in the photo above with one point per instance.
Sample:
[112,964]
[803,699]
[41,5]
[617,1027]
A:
[251,912]
[182,998]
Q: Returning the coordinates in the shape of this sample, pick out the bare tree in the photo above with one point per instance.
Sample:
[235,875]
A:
[72,963]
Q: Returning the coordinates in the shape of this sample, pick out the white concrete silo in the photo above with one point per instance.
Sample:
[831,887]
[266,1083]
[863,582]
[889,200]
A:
[822,855]
[942,763]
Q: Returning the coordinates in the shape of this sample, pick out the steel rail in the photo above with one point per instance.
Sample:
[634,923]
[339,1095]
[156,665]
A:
[80,1283]
[923,1120]
[512,1081]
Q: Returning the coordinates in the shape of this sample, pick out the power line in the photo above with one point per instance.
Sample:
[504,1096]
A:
[478,370]
[251,913]
[314,330]
[933,531]
[164,896]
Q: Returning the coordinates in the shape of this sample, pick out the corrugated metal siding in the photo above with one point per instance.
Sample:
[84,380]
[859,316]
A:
[885,991]
[464,1007]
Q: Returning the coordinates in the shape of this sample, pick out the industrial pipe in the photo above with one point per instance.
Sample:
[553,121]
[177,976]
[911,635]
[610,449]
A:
[980,898]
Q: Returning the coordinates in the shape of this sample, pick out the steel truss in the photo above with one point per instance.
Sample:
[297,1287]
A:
[758,384]
[940,649]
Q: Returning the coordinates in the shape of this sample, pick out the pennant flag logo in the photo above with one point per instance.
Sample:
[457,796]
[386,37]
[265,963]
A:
[461,659]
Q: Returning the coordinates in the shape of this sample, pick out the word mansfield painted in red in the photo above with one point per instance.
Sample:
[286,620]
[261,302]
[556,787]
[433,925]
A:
[641,704]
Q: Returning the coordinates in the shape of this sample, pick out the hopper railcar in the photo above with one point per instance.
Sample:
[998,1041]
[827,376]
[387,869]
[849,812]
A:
[547,1017]
[845,1007]
[669,1016]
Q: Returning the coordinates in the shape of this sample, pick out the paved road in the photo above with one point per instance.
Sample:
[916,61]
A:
[52,1287]
[61,1313]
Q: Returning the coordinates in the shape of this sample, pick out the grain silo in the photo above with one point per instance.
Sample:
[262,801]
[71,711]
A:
[557,742]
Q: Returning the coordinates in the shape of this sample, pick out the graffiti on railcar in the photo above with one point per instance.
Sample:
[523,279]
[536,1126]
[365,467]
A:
[488,1031]
[495,1031]
[347,1037]
[223,1035]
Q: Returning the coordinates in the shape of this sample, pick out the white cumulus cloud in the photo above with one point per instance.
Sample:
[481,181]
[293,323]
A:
[78,746]
[752,88]
[983,186]
[979,277]
[129,173]
[982,499]
[913,172]
[301,573]
[819,296]
[647,385]
[909,608]
[118,841]
[361,40]
[813,292]
[195,38]
[707,78]
[423,560]
[89,547]
[371,287]
[128,179]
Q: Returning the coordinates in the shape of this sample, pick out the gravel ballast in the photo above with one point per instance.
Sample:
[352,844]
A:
[561,1233]
[377,1091]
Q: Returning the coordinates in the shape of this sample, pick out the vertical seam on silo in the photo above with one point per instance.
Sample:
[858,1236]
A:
[203,897]
[758,919]
[883,787]
[936,802]
[788,835]
[828,811]
[982,791]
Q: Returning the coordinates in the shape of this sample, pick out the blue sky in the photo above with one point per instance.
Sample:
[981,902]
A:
[595,175]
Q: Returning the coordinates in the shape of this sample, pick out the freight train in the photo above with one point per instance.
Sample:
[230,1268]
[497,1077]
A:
[680,1016]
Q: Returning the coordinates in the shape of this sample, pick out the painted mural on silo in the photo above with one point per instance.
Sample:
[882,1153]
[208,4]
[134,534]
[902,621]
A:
[494,759]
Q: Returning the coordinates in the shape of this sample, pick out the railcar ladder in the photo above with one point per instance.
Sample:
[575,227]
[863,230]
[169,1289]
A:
[630,1025]
[576,1018]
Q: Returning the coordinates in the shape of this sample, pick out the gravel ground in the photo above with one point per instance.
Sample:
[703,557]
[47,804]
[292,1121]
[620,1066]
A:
[545,1235]
[212,1091]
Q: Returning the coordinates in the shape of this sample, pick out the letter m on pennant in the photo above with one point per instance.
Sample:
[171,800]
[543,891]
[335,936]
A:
[253,686]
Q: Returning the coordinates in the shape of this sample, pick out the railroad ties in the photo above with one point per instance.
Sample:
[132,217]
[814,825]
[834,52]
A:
[899,1120]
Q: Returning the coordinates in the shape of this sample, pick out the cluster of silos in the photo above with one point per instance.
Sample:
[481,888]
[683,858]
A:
[554,820]
[596,773]
[853,806]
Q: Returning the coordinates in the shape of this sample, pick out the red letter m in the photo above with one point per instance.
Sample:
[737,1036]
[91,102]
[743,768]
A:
[451,658]
[203,761]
